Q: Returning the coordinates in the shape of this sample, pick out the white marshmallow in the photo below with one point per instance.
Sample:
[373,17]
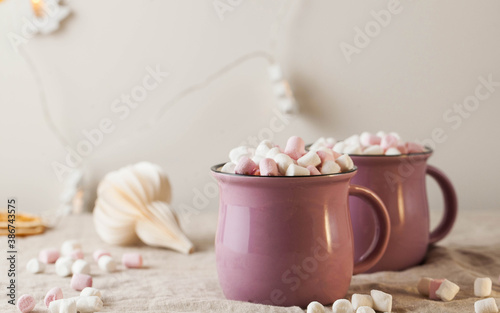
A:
[482,287]
[89,292]
[342,306]
[373,150]
[381,301]
[359,300]
[69,245]
[315,307]
[257,159]
[352,149]
[320,143]
[80,267]
[273,152]
[310,158]
[63,306]
[106,263]
[88,304]
[326,150]
[345,162]
[339,147]
[398,137]
[263,148]
[447,291]
[283,161]
[423,286]
[228,168]
[35,266]
[487,305]
[63,266]
[330,167]
[330,141]
[392,151]
[381,133]
[365,309]
[364,138]
[352,140]
[237,153]
[296,170]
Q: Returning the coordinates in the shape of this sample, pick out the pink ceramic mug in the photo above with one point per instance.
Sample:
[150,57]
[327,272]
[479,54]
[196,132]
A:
[288,240]
[400,182]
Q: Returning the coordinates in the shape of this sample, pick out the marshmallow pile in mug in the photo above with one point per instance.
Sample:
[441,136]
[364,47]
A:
[269,159]
[372,144]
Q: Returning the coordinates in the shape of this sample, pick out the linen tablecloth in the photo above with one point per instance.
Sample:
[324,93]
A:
[173,282]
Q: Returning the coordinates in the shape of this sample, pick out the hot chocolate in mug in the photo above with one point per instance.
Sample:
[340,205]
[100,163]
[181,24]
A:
[399,180]
[288,240]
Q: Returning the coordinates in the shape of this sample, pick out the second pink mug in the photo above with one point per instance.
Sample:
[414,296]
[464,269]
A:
[400,182]
[288,240]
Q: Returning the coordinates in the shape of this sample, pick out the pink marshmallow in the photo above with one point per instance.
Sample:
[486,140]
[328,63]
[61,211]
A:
[402,148]
[336,155]
[414,147]
[370,140]
[76,254]
[26,303]
[99,253]
[313,170]
[245,166]
[80,281]
[295,147]
[53,294]
[389,141]
[433,286]
[48,256]
[132,260]
[268,167]
[324,156]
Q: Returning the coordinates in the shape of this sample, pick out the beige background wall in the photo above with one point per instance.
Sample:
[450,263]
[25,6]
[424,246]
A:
[407,78]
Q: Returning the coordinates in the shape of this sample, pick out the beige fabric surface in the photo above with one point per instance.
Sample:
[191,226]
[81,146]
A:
[172,282]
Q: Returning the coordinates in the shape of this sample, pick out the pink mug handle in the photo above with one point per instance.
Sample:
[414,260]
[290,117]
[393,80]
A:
[381,234]
[450,204]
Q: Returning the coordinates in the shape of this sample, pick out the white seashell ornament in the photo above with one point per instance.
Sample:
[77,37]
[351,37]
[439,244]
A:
[133,203]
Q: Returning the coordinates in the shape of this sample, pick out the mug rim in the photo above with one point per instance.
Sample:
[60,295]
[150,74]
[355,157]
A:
[215,168]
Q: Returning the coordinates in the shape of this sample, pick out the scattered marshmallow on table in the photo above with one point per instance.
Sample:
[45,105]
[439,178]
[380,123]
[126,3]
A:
[99,253]
[63,266]
[447,290]
[315,307]
[342,306]
[365,309]
[359,300]
[26,303]
[76,254]
[487,305]
[433,287]
[132,260]
[49,256]
[107,264]
[80,281]
[381,301]
[482,287]
[35,266]
[89,291]
[88,304]
[69,246]
[423,286]
[53,295]
[80,267]
[63,306]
